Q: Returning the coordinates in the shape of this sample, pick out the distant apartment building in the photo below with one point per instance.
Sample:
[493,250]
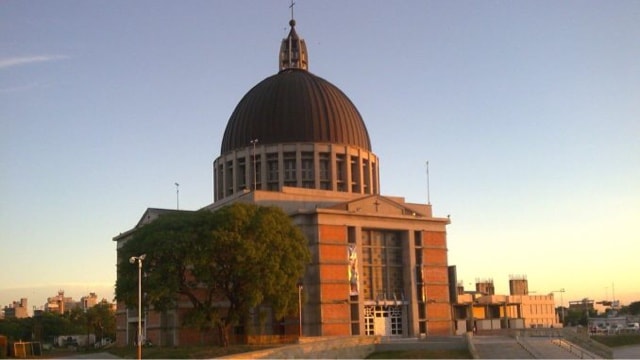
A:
[89,301]
[17,309]
[483,310]
[585,305]
[59,304]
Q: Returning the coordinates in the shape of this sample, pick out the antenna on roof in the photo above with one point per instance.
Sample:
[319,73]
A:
[177,196]
[428,195]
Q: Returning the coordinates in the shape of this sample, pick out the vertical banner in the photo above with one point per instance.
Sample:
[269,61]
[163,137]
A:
[353,270]
[422,280]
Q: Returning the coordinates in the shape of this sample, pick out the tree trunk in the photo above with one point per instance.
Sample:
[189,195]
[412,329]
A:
[223,329]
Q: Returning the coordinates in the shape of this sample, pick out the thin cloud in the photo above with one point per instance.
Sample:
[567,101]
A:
[24,60]
[22,88]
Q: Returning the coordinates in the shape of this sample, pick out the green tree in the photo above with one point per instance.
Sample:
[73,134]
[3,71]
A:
[53,325]
[77,323]
[16,329]
[242,254]
[634,308]
[102,320]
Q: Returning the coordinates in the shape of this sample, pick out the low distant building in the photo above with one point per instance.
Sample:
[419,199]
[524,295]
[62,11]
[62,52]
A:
[17,309]
[89,301]
[582,305]
[484,310]
[59,304]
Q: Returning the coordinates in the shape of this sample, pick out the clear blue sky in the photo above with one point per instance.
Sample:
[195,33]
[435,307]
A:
[527,111]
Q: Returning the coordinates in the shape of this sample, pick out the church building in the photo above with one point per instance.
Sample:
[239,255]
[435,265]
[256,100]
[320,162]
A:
[379,264]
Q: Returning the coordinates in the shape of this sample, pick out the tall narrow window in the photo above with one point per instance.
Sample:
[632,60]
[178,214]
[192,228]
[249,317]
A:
[229,178]
[374,179]
[258,175]
[341,172]
[290,169]
[241,174]
[308,180]
[325,175]
[382,265]
[272,172]
[220,180]
[355,175]
[366,187]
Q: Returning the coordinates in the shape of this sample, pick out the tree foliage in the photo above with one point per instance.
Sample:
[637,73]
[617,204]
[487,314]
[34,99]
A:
[17,329]
[634,308]
[224,262]
[101,320]
[98,320]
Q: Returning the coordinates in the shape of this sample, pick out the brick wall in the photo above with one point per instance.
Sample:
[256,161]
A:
[334,284]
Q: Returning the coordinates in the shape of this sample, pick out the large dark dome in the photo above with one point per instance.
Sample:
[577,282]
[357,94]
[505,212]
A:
[295,106]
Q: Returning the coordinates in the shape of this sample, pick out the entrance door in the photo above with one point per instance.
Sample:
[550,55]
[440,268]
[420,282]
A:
[383,320]
[381,323]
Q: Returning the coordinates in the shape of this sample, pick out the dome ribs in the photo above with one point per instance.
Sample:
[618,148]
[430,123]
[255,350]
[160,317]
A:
[295,106]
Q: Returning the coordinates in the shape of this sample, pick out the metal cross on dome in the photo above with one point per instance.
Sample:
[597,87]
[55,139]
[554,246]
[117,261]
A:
[291,7]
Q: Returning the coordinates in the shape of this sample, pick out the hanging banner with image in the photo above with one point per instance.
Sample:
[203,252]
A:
[353,270]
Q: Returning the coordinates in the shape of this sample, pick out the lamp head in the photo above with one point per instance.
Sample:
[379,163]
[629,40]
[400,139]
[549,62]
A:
[132,259]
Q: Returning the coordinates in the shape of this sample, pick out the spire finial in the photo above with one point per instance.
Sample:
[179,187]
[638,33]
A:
[293,51]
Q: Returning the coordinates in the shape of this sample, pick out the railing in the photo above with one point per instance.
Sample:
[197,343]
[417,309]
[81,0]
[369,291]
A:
[583,340]
[569,336]
[578,351]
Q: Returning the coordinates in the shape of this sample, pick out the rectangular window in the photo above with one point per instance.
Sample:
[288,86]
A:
[382,265]
[340,172]
[355,175]
[308,180]
[229,178]
[365,176]
[272,172]
[290,169]
[241,174]
[220,188]
[324,167]
[258,176]
[422,311]
[272,167]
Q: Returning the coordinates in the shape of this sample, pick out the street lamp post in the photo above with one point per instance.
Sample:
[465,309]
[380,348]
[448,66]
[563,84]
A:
[133,260]
[300,309]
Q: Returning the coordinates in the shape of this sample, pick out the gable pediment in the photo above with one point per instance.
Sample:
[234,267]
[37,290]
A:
[375,204]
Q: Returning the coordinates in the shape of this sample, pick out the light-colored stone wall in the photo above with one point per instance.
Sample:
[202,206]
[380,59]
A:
[343,347]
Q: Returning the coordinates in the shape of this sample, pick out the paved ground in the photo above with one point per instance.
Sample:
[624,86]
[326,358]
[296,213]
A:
[432,342]
[546,348]
[505,347]
[488,347]
[98,355]
[499,347]
[627,352]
